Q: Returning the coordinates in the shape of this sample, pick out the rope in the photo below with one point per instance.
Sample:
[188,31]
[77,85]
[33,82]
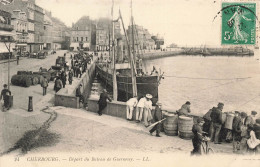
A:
[174,76]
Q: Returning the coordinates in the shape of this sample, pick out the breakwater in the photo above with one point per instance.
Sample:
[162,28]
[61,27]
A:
[237,51]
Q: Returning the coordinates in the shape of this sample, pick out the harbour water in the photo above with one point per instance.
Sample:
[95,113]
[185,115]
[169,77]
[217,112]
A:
[205,81]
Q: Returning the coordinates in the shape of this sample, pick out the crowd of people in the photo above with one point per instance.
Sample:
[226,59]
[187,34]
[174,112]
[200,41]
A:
[240,130]
[79,65]
[210,127]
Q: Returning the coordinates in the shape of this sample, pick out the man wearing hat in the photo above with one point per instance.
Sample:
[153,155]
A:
[131,104]
[157,117]
[4,93]
[250,119]
[148,110]
[102,102]
[140,110]
[185,109]
[198,138]
[44,85]
[216,123]
[79,94]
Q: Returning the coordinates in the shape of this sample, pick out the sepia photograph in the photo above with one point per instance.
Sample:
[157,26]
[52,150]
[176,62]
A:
[130,83]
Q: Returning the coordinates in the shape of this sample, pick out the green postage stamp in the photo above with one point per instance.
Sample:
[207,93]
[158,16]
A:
[238,23]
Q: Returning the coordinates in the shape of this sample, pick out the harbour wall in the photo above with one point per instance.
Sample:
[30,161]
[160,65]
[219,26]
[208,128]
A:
[118,109]
[67,96]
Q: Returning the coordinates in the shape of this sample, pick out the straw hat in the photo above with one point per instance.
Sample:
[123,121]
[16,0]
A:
[158,103]
[149,96]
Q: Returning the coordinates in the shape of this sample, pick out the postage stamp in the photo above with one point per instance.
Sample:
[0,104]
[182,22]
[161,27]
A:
[238,23]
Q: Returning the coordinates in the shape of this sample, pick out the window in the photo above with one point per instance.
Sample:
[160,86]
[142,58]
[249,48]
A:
[81,38]
[86,39]
[44,27]
[77,39]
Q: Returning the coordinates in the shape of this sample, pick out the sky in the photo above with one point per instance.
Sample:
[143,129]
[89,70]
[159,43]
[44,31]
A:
[184,22]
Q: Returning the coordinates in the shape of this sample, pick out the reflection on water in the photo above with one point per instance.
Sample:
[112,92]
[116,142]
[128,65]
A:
[205,81]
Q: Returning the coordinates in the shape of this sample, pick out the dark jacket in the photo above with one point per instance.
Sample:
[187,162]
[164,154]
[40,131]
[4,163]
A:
[197,131]
[103,99]
[4,93]
[78,92]
[236,128]
[216,116]
[158,114]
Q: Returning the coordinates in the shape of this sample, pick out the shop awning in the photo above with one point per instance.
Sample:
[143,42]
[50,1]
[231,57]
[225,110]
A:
[21,44]
[75,45]
[86,45]
[7,34]
[3,48]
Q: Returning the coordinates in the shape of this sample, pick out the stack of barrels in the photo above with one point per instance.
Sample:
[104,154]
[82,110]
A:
[174,125]
[26,78]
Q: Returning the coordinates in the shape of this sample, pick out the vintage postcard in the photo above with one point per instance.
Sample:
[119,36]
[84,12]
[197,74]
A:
[129,83]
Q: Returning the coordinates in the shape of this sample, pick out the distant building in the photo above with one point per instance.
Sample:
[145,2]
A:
[159,41]
[81,34]
[142,38]
[38,28]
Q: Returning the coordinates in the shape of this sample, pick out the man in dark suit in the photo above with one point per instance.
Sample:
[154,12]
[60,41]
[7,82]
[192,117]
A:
[216,118]
[157,117]
[102,102]
[79,94]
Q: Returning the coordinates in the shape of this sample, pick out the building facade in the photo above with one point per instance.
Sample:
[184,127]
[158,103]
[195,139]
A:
[142,38]
[20,24]
[81,34]
[6,34]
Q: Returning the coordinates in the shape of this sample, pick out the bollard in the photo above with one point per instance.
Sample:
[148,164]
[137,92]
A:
[30,104]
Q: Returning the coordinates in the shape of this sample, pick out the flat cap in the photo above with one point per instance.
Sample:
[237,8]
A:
[199,120]
[253,112]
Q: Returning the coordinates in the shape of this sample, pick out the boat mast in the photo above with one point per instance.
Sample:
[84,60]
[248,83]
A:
[133,68]
[113,55]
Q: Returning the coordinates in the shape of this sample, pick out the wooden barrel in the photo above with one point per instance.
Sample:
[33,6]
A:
[34,79]
[229,121]
[21,80]
[44,74]
[40,78]
[185,127]
[170,125]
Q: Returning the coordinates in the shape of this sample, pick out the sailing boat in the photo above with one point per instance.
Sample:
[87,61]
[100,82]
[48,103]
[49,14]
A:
[130,80]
